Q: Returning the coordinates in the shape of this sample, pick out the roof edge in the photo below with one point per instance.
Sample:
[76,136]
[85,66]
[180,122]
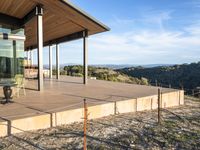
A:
[85,14]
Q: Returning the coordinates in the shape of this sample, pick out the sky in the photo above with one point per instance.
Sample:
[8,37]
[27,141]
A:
[142,32]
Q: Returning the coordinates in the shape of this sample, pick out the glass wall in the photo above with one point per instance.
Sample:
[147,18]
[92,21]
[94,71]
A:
[11,53]
[10,30]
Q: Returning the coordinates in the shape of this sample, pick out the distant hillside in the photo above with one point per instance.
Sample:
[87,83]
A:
[101,73]
[121,66]
[186,75]
[111,66]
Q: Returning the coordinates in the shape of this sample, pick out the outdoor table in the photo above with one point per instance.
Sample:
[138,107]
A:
[7,89]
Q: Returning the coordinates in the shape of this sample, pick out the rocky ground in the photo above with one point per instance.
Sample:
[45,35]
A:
[180,129]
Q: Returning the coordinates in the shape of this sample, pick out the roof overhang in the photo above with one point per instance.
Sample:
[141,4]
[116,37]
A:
[62,21]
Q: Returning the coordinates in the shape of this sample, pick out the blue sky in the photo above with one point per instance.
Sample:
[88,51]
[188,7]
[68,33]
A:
[142,32]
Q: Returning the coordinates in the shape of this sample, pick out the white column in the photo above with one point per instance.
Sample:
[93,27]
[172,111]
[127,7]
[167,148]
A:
[57,62]
[28,57]
[31,57]
[40,48]
[50,62]
[85,57]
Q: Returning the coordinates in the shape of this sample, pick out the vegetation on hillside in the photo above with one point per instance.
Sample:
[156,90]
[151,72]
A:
[186,75]
[102,73]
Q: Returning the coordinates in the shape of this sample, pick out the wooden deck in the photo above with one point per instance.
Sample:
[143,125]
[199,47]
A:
[69,91]
[68,94]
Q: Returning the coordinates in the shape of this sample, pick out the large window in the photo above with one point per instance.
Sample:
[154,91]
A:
[11,52]
[9,30]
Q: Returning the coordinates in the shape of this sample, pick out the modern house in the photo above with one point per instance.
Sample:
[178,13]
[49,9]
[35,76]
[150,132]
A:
[29,24]
[32,24]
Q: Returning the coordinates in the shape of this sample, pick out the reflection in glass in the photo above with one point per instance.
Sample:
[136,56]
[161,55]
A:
[8,30]
[11,55]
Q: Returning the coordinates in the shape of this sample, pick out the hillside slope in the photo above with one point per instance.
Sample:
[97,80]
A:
[101,73]
[186,75]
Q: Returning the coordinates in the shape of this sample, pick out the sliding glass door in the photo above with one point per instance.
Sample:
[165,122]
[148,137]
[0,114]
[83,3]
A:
[6,59]
[11,52]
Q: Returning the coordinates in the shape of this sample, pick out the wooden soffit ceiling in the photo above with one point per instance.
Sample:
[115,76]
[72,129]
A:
[60,19]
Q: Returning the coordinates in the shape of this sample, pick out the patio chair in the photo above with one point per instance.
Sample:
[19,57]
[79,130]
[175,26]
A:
[20,81]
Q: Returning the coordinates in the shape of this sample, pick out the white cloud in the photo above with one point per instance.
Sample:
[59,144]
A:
[123,21]
[193,29]
[149,16]
[146,46]
[153,16]
[141,45]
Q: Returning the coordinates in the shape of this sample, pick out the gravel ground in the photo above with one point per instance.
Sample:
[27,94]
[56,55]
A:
[180,129]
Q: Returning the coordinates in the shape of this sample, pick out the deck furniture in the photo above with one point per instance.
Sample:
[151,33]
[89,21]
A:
[20,85]
[31,73]
[7,90]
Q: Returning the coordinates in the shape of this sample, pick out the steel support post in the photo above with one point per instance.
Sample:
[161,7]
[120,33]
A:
[39,15]
[57,62]
[85,57]
[50,62]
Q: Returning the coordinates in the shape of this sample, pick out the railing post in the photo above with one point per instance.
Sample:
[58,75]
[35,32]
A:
[115,108]
[85,125]
[159,110]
